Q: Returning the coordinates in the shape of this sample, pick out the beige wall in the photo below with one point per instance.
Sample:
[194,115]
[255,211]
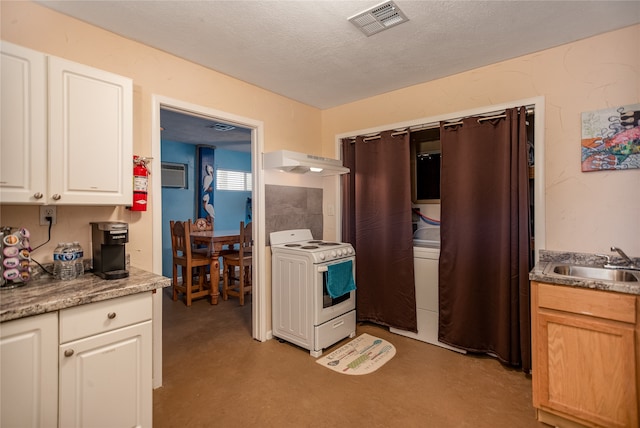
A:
[287,124]
[584,211]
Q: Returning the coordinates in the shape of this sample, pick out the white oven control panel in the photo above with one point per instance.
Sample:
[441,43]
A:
[339,253]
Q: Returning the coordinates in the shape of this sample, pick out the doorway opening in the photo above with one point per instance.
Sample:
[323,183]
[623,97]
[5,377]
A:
[256,131]
[212,160]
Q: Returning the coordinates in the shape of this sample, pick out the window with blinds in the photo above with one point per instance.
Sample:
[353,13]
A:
[239,181]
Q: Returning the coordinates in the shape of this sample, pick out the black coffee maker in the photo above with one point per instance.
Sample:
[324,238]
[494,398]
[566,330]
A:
[107,242]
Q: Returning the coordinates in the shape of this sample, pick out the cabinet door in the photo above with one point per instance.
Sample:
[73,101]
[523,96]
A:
[105,380]
[29,372]
[587,368]
[23,140]
[90,140]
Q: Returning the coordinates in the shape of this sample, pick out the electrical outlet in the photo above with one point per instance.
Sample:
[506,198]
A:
[47,211]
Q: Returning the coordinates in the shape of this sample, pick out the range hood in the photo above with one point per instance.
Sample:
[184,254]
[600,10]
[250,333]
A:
[300,163]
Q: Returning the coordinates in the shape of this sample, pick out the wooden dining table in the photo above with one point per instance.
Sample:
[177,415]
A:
[216,240]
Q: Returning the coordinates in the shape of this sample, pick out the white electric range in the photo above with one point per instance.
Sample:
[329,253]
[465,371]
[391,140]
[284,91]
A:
[303,311]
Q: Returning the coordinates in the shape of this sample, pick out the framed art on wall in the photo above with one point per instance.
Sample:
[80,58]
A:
[611,139]
[205,156]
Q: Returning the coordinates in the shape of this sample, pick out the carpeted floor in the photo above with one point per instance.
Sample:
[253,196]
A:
[216,375]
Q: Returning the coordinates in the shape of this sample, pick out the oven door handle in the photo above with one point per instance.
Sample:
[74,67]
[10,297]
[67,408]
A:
[323,269]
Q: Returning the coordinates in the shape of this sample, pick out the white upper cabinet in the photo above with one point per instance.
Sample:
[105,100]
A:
[23,140]
[85,158]
[90,135]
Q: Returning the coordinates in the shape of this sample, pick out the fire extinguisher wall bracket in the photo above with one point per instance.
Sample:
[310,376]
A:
[140,183]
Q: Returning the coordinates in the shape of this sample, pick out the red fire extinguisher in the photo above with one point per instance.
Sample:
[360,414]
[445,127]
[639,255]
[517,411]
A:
[140,183]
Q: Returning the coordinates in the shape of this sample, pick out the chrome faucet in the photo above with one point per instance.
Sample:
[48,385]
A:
[628,263]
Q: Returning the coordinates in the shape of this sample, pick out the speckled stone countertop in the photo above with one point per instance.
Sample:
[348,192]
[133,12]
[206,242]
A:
[48,295]
[550,257]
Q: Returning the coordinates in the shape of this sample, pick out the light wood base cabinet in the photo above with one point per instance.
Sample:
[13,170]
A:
[585,356]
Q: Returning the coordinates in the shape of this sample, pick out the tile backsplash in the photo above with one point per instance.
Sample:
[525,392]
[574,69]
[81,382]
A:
[289,207]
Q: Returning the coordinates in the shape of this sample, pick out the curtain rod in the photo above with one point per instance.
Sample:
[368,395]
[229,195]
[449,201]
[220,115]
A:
[457,121]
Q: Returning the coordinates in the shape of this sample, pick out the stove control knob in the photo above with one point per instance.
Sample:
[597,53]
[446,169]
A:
[322,256]
[333,254]
[342,252]
[350,250]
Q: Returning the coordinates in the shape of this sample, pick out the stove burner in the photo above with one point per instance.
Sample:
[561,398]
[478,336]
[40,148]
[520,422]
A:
[291,245]
[310,247]
[314,242]
[330,243]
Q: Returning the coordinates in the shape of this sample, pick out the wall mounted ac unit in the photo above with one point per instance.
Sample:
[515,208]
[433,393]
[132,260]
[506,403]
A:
[174,175]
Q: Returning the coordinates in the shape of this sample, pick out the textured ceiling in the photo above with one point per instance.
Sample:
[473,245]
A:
[308,50]
[183,128]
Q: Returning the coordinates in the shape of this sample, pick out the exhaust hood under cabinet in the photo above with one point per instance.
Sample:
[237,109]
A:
[300,163]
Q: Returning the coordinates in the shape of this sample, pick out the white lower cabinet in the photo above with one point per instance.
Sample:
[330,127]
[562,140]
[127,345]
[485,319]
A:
[29,372]
[86,366]
[105,380]
[106,364]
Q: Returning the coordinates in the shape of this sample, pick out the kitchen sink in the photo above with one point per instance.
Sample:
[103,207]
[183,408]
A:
[592,272]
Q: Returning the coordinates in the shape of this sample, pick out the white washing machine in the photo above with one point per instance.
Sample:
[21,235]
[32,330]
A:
[426,258]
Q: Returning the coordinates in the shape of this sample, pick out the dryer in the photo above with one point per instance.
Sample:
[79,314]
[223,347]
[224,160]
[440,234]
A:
[425,260]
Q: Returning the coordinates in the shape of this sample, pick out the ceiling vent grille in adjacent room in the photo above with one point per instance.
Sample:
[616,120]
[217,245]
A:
[379,18]
[221,127]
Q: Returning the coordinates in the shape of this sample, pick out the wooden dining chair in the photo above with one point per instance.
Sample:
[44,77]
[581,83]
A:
[202,224]
[184,257]
[238,282]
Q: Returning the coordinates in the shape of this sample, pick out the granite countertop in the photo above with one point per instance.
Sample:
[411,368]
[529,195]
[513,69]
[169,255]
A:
[550,257]
[48,295]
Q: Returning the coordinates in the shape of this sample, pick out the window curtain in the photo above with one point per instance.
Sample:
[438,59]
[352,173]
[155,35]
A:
[485,252]
[377,222]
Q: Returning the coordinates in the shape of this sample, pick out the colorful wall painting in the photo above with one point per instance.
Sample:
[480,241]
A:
[611,138]
[205,187]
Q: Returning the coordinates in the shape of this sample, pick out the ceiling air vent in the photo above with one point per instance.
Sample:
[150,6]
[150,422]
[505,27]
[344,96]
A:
[221,127]
[379,18]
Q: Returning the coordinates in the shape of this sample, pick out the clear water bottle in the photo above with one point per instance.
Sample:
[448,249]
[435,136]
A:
[68,269]
[78,259]
[57,260]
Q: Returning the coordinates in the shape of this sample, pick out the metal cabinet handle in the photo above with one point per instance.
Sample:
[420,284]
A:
[111,315]
[38,195]
[56,197]
[68,352]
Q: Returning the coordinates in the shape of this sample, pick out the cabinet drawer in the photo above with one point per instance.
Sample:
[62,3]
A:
[99,317]
[601,304]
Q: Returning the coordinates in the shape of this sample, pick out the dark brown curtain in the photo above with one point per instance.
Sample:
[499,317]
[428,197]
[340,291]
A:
[377,222]
[485,256]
